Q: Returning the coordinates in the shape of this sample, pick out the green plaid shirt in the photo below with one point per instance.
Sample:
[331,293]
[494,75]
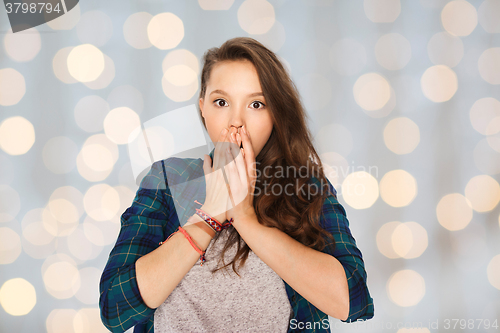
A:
[153,216]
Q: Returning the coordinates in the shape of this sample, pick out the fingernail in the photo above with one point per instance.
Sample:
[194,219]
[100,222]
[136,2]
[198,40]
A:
[224,131]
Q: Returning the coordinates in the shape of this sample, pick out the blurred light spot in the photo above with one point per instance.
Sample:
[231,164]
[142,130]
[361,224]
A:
[486,158]
[371,91]
[445,49]
[10,203]
[483,191]
[95,28]
[316,91]
[102,233]
[360,190]
[33,228]
[334,137]
[179,83]
[62,279]
[60,66]
[459,18]
[402,239]
[382,10]
[61,321]
[180,75]
[335,167]
[181,57]
[348,56]
[85,62]
[89,288]
[493,271]
[118,126]
[101,202]
[482,113]
[59,154]
[454,211]
[165,31]
[420,240]
[407,240]
[17,135]
[12,86]
[488,14]
[215,4]
[274,39]
[80,247]
[398,188]
[107,75]
[7,176]
[90,112]
[489,67]
[406,287]
[493,126]
[64,210]
[37,241]
[401,135]
[97,158]
[10,246]
[386,109]
[135,30]
[384,239]
[128,96]
[439,83]
[17,297]
[393,51]
[494,141]
[256,17]
[24,45]
[88,320]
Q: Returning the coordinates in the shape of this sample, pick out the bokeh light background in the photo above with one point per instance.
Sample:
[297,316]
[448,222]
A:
[404,103]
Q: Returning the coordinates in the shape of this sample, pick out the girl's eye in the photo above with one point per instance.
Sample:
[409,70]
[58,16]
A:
[258,103]
[217,102]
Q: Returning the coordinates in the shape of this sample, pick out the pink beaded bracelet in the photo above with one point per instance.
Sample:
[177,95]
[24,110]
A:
[216,225]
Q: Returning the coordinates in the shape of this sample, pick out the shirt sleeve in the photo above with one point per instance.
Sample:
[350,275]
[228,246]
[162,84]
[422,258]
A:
[334,219]
[141,230]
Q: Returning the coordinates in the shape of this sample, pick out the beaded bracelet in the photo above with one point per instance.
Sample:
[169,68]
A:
[216,225]
[191,241]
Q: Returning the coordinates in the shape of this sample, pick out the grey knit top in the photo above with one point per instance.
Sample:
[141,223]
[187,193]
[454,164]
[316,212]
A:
[224,302]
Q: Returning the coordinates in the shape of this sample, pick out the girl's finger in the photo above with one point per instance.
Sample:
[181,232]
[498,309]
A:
[249,154]
[232,173]
[241,164]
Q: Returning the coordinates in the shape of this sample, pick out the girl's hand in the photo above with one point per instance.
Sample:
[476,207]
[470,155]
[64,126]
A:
[242,175]
[217,188]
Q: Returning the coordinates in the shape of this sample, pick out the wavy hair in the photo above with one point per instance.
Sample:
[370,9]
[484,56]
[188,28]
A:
[289,146]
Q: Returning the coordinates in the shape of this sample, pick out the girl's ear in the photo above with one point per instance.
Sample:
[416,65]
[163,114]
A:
[201,107]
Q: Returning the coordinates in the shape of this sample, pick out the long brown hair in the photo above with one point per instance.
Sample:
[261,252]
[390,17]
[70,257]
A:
[289,146]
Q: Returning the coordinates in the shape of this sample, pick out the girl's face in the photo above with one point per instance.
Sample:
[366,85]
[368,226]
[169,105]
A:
[234,98]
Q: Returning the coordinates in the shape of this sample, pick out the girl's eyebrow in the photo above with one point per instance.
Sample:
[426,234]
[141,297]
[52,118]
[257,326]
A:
[222,92]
